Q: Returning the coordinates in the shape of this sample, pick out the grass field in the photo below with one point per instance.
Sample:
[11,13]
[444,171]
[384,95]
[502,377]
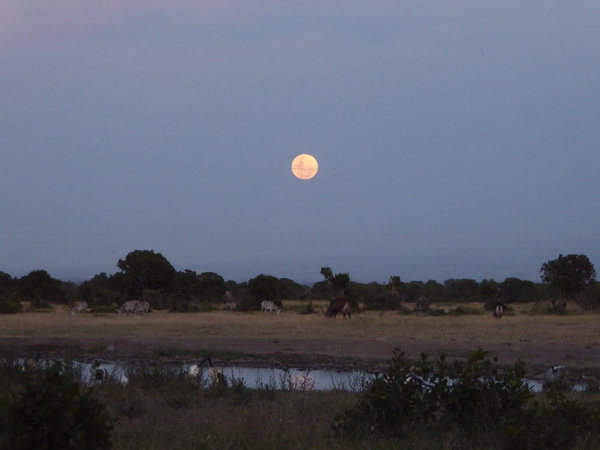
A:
[169,415]
[577,328]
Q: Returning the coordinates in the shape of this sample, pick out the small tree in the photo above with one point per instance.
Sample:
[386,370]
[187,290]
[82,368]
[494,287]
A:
[568,274]
[339,281]
[263,287]
[395,283]
[490,290]
[144,269]
[40,288]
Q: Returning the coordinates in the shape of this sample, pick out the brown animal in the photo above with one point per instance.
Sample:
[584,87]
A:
[337,306]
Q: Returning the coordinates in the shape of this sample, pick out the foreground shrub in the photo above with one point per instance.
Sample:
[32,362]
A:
[53,412]
[559,425]
[471,397]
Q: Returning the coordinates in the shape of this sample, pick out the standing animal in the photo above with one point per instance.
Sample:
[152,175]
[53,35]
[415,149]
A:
[79,307]
[229,301]
[141,306]
[127,307]
[266,305]
[498,310]
[337,306]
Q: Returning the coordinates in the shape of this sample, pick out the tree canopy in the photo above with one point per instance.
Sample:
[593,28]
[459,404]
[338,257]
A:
[145,269]
[339,281]
[569,274]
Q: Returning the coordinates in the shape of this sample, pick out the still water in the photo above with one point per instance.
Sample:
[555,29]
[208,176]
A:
[250,377]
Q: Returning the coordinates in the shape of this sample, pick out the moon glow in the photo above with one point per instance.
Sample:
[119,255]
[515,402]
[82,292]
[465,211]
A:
[305,166]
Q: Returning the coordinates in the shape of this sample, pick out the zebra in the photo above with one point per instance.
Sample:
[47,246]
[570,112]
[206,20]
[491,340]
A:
[267,305]
[141,306]
[128,307]
[79,307]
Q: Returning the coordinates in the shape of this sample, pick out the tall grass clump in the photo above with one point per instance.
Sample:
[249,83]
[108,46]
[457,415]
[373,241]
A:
[474,399]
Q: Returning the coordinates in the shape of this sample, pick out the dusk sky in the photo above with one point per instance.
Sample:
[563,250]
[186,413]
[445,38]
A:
[455,139]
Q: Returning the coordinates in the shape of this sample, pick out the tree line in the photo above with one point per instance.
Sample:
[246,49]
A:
[149,275]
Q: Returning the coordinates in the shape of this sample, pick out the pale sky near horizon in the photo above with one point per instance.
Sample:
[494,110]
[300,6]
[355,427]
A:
[171,126]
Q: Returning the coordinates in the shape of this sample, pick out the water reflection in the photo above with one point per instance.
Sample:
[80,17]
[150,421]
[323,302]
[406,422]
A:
[249,377]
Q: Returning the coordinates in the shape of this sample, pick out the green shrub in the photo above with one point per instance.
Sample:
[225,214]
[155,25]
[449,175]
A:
[420,394]
[9,305]
[307,309]
[558,425]
[466,311]
[53,412]
[473,398]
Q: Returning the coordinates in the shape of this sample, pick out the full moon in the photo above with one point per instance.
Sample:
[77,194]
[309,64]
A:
[305,166]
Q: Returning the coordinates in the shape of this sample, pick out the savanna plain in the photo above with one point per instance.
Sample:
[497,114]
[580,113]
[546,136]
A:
[182,415]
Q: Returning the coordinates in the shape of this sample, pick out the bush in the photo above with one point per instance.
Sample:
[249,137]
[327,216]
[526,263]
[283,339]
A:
[52,412]
[419,394]
[307,309]
[8,304]
[387,301]
[557,426]
[474,397]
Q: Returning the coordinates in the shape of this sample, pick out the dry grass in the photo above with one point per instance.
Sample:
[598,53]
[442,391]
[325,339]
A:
[576,329]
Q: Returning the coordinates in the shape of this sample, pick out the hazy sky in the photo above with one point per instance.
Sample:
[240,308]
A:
[441,128]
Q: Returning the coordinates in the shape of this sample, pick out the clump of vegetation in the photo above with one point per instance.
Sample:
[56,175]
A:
[52,411]
[307,309]
[474,398]
[461,310]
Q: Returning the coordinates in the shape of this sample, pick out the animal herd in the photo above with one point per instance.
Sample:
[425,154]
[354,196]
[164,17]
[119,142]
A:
[335,307]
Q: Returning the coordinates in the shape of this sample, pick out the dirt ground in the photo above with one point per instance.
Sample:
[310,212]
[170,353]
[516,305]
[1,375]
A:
[367,342]
[342,354]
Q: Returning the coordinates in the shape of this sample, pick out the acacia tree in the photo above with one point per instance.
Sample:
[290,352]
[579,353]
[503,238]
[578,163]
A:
[339,281]
[569,274]
[395,283]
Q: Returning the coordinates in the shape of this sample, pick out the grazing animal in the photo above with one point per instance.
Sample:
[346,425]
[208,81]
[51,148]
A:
[127,307]
[229,301]
[100,373]
[498,310]
[552,375]
[337,306]
[141,306]
[79,307]
[266,305]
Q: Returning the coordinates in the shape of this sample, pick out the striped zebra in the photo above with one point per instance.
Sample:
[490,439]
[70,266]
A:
[266,305]
[127,307]
[141,306]
[79,307]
